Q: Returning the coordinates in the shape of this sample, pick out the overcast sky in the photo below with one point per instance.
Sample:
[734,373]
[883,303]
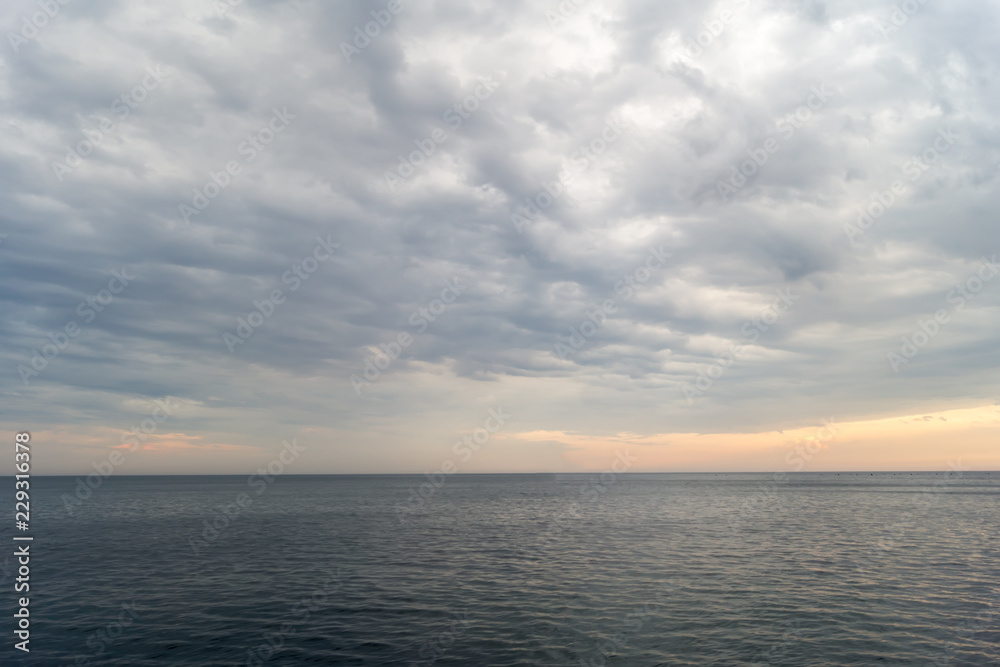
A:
[468,181]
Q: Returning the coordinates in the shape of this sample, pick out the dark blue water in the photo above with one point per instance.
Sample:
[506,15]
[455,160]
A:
[815,569]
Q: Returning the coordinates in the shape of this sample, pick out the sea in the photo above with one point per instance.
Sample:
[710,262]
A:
[548,569]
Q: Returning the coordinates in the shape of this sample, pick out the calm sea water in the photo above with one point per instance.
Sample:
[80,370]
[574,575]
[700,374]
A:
[815,569]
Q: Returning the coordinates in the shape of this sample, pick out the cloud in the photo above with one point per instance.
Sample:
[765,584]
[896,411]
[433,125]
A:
[691,117]
[893,443]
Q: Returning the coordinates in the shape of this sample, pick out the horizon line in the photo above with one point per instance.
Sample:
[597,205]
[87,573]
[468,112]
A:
[473,474]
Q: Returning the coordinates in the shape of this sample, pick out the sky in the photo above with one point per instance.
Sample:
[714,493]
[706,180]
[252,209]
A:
[500,237]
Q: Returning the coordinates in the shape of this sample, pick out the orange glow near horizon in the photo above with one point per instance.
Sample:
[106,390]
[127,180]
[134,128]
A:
[967,437]
[928,441]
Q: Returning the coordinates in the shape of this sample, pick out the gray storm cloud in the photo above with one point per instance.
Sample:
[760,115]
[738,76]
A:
[847,152]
